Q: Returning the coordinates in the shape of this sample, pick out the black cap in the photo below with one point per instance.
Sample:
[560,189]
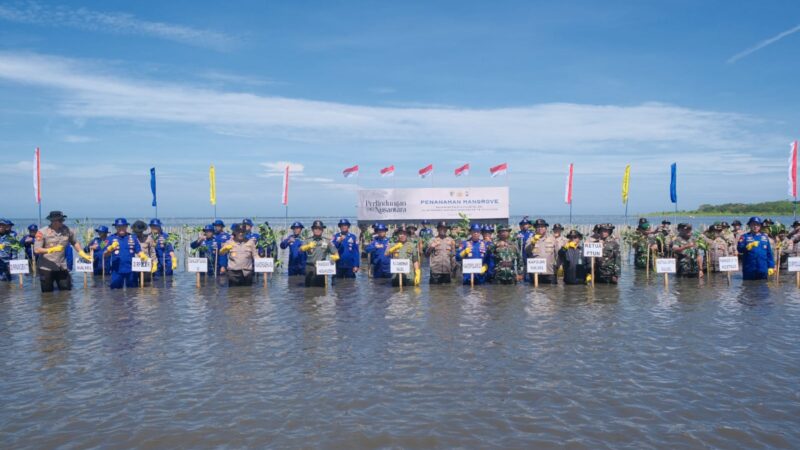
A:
[400,230]
[139,226]
[56,215]
[442,224]
[318,224]
[605,226]
[558,226]
[574,234]
[666,222]
[643,220]
[540,223]
[737,222]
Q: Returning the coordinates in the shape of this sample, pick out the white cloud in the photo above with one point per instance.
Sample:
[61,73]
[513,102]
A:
[76,139]
[763,44]
[35,13]
[276,168]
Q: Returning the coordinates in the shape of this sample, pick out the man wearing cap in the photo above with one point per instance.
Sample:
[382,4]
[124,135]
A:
[29,240]
[220,238]
[240,252]
[570,259]
[757,258]
[643,242]
[249,234]
[736,229]
[317,248]
[123,247]
[381,265]
[148,246]
[50,245]
[524,233]
[608,267]
[475,248]
[165,252]
[505,257]
[349,256]
[441,252]
[205,246]
[557,231]
[543,245]
[664,238]
[717,246]
[404,249]
[100,265]
[689,259]
[425,232]
[297,258]
[7,239]
[487,232]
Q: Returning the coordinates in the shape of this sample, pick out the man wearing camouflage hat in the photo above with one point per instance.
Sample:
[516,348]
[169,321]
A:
[609,266]
[506,258]
[317,248]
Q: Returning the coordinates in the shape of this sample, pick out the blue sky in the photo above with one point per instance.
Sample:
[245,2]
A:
[109,89]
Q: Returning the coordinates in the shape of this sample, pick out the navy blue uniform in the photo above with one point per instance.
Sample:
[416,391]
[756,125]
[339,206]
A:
[349,255]
[297,258]
[381,262]
[6,255]
[163,251]
[97,256]
[756,261]
[207,249]
[479,251]
[222,238]
[122,273]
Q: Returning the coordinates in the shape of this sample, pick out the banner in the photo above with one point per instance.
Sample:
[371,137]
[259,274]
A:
[673,184]
[433,203]
[212,181]
[153,184]
[626,184]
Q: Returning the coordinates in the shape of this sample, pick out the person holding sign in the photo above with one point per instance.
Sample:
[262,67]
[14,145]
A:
[206,246]
[221,237]
[441,252]
[97,245]
[29,240]
[404,249]
[570,259]
[317,248]
[123,248]
[757,258]
[643,243]
[717,245]
[165,253]
[51,243]
[381,263]
[148,248]
[240,252]
[543,245]
[610,265]
[297,258]
[474,248]
[506,258]
[688,258]
[7,238]
[349,256]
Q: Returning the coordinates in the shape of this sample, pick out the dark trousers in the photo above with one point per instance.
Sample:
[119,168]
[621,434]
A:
[441,278]
[118,280]
[545,279]
[240,278]
[314,280]
[51,278]
[345,272]
[406,280]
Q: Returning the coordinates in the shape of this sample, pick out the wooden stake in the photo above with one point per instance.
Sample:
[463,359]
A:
[666,281]
[592,271]
[400,275]
[141,280]
[20,280]
[197,280]
[797,277]
[729,277]
[472,280]
[85,280]
[647,268]
[264,276]
[536,280]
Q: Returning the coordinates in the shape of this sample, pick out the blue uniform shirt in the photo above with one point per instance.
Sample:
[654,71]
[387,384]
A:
[97,256]
[349,256]
[163,250]
[221,239]
[297,259]
[122,258]
[757,261]
[6,254]
[28,242]
[426,233]
[479,251]
[381,262]
[206,250]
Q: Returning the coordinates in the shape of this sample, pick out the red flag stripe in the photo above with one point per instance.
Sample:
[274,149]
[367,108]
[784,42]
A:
[463,170]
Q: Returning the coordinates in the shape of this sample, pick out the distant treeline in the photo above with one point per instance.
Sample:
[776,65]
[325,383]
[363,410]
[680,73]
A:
[776,208]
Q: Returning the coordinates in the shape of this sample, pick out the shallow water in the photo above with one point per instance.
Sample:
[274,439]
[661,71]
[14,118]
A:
[364,365]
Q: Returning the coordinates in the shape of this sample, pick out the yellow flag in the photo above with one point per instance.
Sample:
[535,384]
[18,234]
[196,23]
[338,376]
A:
[626,183]
[212,179]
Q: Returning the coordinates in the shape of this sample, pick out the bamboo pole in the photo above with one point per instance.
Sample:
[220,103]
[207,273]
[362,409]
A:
[536,280]
[593,271]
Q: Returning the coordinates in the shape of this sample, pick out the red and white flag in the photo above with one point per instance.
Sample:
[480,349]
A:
[285,195]
[793,170]
[568,187]
[388,171]
[37,177]
[425,171]
[500,169]
[350,172]
[463,170]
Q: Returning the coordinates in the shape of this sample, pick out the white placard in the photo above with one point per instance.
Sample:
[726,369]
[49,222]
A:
[197,265]
[82,266]
[400,266]
[593,249]
[433,203]
[537,265]
[18,266]
[728,264]
[264,265]
[666,265]
[326,268]
[137,265]
[794,264]
[471,265]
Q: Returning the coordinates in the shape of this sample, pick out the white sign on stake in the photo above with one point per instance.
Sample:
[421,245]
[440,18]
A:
[264,265]
[18,266]
[593,249]
[666,265]
[197,265]
[326,268]
[400,266]
[137,265]
[471,265]
[728,264]
[794,264]
[537,265]
[82,266]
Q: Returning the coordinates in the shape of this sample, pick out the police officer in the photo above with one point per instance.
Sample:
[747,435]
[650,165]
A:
[317,248]
[377,251]
[240,251]
[441,252]
[425,232]
[297,258]
[50,245]
[505,257]
[736,229]
[543,245]
[349,256]
[524,233]
[558,230]
[404,249]
[487,232]
[100,265]
[29,240]
[757,258]
[717,245]
[249,234]
[123,247]
[609,266]
[474,247]
[220,238]
[165,253]
[7,239]
[148,246]
[205,245]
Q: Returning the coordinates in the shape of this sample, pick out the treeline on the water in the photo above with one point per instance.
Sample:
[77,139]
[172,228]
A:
[775,208]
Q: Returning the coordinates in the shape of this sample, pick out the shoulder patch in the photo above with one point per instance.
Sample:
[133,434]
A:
[39,236]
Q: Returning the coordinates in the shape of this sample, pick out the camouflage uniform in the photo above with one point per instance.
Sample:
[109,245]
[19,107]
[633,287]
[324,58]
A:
[687,259]
[608,267]
[717,247]
[641,244]
[507,261]
[410,251]
[323,248]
